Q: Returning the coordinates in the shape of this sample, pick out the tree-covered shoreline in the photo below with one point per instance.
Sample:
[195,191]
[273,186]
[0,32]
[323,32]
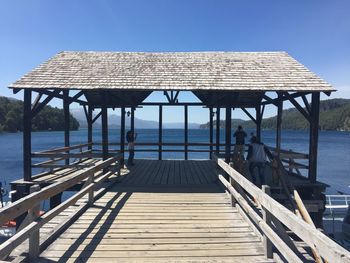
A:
[334,116]
[49,118]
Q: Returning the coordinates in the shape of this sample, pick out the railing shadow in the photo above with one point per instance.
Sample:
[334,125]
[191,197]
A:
[102,230]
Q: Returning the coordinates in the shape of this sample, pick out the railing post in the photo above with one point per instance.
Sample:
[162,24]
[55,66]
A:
[233,199]
[91,192]
[268,246]
[34,238]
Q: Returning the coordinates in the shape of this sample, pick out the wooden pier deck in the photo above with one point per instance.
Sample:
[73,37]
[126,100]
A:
[163,211]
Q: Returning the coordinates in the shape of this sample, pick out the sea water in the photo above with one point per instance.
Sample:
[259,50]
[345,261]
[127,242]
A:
[333,150]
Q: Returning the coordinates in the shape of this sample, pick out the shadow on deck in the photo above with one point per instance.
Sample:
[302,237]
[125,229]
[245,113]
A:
[162,211]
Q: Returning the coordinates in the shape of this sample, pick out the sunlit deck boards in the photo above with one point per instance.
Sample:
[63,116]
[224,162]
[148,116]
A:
[174,222]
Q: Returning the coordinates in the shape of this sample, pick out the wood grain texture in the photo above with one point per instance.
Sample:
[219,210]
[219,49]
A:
[142,220]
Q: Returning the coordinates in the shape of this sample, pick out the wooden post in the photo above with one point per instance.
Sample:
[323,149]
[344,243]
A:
[217,130]
[314,118]
[27,138]
[122,130]
[258,122]
[34,238]
[91,192]
[268,246]
[228,135]
[160,132]
[132,120]
[66,121]
[279,124]
[104,130]
[186,131]
[233,199]
[89,123]
[211,131]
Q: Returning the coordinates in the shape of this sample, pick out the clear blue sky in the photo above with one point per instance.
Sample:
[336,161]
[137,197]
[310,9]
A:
[316,33]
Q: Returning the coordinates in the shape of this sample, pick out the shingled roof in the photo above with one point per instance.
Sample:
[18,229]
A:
[240,71]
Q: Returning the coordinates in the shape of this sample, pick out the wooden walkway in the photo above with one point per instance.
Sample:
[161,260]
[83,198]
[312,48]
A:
[162,211]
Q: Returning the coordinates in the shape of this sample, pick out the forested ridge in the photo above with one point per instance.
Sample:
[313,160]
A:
[49,118]
[334,115]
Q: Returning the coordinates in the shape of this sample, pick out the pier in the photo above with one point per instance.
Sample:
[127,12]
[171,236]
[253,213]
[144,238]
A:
[168,210]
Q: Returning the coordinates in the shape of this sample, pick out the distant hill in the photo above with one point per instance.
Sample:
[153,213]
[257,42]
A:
[334,115]
[114,122]
[49,118]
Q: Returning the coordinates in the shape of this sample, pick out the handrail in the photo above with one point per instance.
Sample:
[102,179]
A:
[32,200]
[65,149]
[20,206]
[326,247]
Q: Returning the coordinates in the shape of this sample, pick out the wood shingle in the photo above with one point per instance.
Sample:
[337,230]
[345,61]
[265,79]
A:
[240,71]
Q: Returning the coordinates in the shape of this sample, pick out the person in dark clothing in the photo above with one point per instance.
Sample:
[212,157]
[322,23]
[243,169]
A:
[257,152]
[240,135]
[131,138]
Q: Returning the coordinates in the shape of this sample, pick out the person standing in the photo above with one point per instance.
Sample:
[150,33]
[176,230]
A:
[257,153]
[131,138]
[240,135]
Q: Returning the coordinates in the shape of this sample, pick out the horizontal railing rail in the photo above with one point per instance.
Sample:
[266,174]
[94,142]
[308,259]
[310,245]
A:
[275,217]
[91,177]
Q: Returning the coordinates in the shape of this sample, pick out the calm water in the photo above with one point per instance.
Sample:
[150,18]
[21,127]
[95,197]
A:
[333,161]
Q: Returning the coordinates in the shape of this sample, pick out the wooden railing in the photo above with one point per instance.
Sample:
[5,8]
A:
[91,177]
[273,220]
[288,158]
[57,156]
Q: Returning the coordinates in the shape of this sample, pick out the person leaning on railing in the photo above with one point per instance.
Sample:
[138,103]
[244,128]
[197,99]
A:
[257,153]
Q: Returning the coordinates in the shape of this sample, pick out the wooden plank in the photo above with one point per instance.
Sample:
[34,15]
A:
[179,259]
[144,254]
[200,240]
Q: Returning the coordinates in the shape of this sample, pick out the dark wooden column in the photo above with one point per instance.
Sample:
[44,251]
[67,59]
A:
[132,120]
[89,124]
[186,131]
[217,130]
[27,138]
[104,120]
[228,135]
[258,122]
[211,131]
[314,123]
[66,120]
[279,123]
[160,132]
[122,130]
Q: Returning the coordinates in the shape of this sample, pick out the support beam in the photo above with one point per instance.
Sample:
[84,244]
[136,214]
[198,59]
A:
[56,94]
[228,135]
[89,124]
[27,138]
[39,106]
[258,122]
[211,115]
[186,131]
[279,125]
[66,121]
[160,132]
[122,130]
[132,120]
[298,107]
[217,130]
[104,130]
[314,123]
[307,105]
[97,116]
[248,114]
